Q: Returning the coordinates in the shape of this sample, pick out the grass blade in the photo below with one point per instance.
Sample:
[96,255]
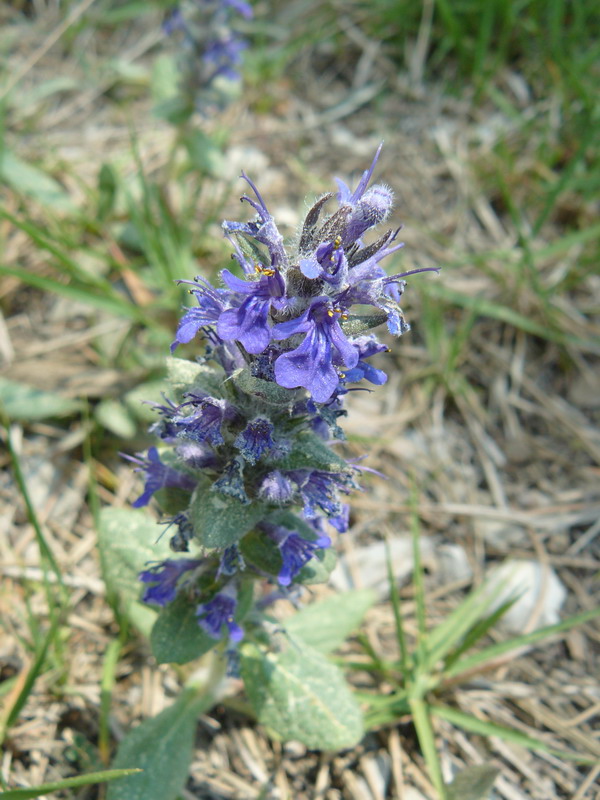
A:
[30,793]
[395,599]
[422,723]
[30,679]
[488,308]
[114,304]
[486,728]
[46,553]
[494,651]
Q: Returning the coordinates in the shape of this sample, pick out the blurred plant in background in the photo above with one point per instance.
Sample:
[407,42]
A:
[210,58]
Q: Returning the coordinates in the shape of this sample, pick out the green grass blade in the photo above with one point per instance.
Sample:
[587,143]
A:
[418,575]
[448,633]
[488,308]
[106,687]
[485,728]
[422,722]
[114,304]
[565,177]
[30,679]
[478,631]
[494,651]
[47,556]
[395,599]
[31,793]
[67,264]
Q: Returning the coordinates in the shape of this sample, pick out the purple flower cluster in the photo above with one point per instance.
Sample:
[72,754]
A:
[245,454]
[293,306]
[212,47]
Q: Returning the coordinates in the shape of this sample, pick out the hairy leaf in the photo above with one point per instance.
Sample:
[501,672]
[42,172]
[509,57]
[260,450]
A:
[326,624]
[128,540]
[297,693]
[220,521]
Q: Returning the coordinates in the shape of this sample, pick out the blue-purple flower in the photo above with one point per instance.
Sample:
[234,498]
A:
[211,303]
[311,364]
[204,423]
[158,476]
[295,550]
[163,579]
[276,488]
[320,491]
[282,344]
[249,322]
[212,47]
[255,439]
[219,614]
[367,347]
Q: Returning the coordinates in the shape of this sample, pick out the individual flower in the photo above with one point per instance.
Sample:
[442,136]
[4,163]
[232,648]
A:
[180,540]
[295,550]
[231,562]
[158,476]
[311,364]
[255,439]
[204,423]
[263,229]
[341,522]
[219,613]
[276,488]
[211,303]
[249,323]
[367,346]
[164,579]
[320,491]
[231,482]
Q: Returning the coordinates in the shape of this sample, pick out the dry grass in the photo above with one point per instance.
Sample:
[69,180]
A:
[506,460]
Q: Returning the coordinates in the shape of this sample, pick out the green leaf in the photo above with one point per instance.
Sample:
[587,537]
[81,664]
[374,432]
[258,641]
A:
[176,636]
[297,693]
[450,632]
[473,783]
[422,721]
[139,400]
[187,376]
[220,521]
[262,552]
[270,393]
[356,325]
[107,190]
[204,154]
[30,793]
[25,402]
[112,415]
[165,78]
[27,179]
[318,569]
[325,625]
[310,452]
[128,541]
[162,747]
[171,500]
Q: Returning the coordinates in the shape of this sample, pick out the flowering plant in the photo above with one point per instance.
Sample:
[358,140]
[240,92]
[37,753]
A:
[211,52]
[245,467]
